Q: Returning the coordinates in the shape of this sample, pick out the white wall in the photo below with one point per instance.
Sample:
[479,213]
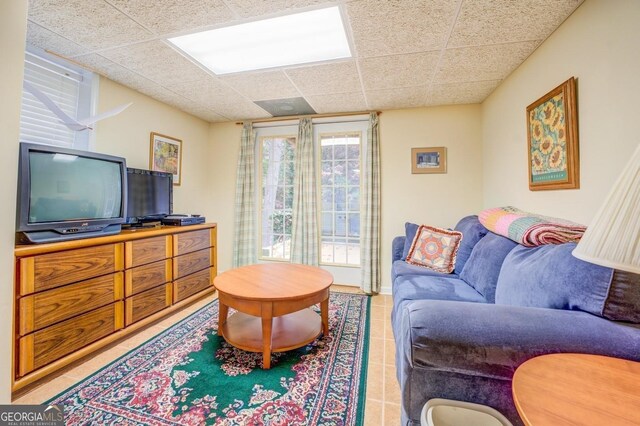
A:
[432,199]
[13,30]
[127,135]
[599,45]
[224,140]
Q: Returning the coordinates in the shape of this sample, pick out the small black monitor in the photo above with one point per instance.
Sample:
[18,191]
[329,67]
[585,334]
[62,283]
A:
[150,195]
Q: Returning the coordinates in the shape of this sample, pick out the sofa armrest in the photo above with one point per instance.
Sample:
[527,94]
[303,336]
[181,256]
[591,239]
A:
[493,340]
[397,247]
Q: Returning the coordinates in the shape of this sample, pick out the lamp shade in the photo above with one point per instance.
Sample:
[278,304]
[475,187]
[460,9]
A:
[613,238]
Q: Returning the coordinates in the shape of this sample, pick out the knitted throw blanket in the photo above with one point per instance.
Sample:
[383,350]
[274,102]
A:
[530,229]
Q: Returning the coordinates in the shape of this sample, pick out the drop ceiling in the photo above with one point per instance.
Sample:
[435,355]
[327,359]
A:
[406,53]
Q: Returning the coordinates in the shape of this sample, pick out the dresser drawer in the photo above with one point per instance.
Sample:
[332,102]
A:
[146,303]
[187,242]
[42,309]
[148,276]
[46,271]
[187,264]
[147,250]
[190,285]
[49,344]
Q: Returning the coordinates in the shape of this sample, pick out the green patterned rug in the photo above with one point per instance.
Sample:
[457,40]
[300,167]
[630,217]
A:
[189,375]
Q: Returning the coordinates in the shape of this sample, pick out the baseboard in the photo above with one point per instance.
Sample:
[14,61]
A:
[385,290]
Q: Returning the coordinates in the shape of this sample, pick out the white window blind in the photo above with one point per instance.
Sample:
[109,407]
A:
[69,88]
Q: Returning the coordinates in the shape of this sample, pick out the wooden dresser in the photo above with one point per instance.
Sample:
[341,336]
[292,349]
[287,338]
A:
[74,297]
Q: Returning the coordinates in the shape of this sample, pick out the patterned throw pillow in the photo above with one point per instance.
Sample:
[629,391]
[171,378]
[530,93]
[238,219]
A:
[435,248]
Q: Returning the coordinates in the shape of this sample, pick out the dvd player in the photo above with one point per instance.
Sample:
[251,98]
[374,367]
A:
[182,220]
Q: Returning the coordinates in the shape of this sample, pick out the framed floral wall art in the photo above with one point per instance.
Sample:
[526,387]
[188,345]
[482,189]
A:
[552,133]
[166,155]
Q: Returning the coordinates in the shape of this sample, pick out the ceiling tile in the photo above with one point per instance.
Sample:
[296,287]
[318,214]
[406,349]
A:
[188,106]
[106,67]
[462,93]
[400,26]
[52,42]
[213,94]
[93,24]
[237,110]
[482,63]
[202,91]
[204,113]
[386,72]
[169,16]
[156,61]
[406,97]
[323,79]
[498,21]
[135,81]
[250,8]
[338,102]
[260,86]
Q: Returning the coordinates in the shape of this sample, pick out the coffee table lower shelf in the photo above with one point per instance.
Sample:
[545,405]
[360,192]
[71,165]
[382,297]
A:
[288,332]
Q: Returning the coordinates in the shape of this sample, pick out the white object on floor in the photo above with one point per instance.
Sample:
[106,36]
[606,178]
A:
[447,412]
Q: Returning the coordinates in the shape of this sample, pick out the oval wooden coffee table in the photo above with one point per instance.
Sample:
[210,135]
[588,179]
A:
[272,303]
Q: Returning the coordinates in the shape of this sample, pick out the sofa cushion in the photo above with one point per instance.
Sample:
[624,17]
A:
[472,231]
[443,287]
[483,267]
[410,230]
[550,276]
[435,248]
[493,340]
[400,267]
[409,288]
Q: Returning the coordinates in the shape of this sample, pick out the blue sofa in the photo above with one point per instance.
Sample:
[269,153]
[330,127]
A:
[462,335]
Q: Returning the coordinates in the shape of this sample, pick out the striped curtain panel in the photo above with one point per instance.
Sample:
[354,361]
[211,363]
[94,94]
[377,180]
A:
[244,251]
[370,210]
[304,238]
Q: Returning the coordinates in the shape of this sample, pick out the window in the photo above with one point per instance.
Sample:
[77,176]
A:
[68,87]
[340,204]
[277,173]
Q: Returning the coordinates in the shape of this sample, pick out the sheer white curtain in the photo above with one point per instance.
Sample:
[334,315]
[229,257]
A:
[304,238]
[370,208]
[244,251]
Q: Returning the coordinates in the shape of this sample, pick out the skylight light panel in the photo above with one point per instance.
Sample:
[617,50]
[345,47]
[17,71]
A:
[301,38]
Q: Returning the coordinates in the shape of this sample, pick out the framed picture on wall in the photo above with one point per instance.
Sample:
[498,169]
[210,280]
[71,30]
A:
[166,155]
[429,160]
[552,134]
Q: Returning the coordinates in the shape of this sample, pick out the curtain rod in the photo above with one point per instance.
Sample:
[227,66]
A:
[295,117]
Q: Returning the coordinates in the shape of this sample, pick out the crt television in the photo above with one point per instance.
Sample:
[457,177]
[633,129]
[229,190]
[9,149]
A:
[150,195]
[68,194]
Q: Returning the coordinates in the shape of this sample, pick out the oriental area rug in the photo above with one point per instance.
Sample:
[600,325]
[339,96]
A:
[188,375]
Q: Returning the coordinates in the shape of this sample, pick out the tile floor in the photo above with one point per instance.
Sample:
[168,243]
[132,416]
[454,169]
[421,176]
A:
[383,394]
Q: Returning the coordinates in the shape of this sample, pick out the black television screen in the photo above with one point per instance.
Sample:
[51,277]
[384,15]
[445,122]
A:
[64,192]
[150,195]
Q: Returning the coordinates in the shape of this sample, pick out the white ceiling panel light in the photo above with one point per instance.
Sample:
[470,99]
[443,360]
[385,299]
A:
[301,38]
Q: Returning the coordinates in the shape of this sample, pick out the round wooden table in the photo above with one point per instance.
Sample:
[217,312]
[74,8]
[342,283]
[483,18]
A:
[272,303]
[577,389]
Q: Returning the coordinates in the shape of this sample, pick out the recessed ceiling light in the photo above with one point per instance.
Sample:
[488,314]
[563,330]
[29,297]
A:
[301,38]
